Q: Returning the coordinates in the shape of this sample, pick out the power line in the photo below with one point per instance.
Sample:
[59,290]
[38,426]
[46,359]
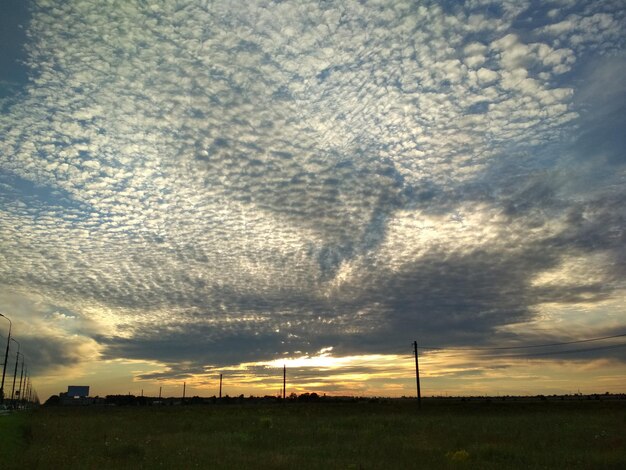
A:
[570,351]
[521,347]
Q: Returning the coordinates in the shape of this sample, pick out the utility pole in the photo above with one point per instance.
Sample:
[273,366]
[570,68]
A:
[417,376]
[284,381]
[17,359]
[184,389]
[22,392]
[220,385]
[6,358]
[27,387]
[21,377]
[160,392]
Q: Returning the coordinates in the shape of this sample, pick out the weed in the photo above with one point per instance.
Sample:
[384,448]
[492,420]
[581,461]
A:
[458,456]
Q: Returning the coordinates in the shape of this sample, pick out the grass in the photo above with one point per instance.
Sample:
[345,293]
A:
[15,437]
[321,435]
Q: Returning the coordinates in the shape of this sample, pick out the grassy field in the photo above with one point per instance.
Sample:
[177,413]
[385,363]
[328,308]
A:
[585,434]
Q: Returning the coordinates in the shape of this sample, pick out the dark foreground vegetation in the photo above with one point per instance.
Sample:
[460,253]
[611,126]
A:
[585,434]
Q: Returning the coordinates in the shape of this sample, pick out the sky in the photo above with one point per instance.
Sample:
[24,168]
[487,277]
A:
[196,187]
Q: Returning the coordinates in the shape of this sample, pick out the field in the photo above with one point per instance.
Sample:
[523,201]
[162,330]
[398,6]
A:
[382,435]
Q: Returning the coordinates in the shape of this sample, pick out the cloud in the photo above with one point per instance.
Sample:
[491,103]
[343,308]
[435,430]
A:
[211,184]
[593,30]
[51,337]
[602,128]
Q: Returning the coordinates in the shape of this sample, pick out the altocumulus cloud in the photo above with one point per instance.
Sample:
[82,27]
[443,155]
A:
[212,183]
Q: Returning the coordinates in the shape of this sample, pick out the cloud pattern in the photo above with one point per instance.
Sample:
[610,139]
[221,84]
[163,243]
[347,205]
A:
[215,183]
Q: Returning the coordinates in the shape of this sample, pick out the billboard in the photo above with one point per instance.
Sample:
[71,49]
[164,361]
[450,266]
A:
[78,390]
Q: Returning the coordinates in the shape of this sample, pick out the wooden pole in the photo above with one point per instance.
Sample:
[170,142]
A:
[6,360]
[21,378]
[220,385]
[284,381]
[417,376]
[17,360]
[184,389]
